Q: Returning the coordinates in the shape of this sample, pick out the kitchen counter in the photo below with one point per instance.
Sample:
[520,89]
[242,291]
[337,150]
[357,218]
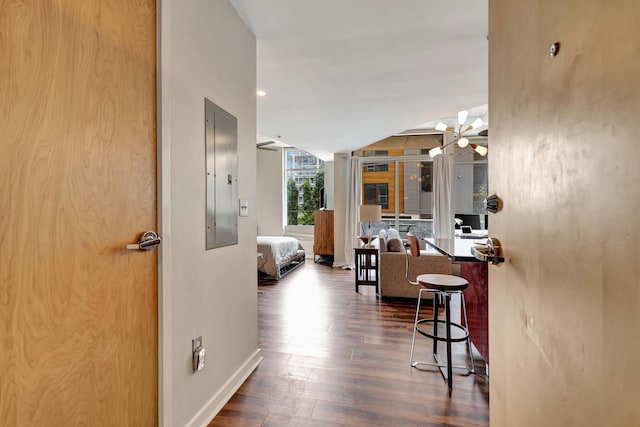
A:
[456,249]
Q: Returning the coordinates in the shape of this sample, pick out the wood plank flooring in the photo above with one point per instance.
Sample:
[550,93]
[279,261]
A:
[333,357]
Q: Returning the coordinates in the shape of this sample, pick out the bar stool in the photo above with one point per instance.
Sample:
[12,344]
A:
[442,286]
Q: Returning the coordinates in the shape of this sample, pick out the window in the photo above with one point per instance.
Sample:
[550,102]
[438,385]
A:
[400,177]
[414,176]
[371,153]
[480,187]
[376,194]
[426,176]
[377,167]
[405,192]
[471,183]
[304,174]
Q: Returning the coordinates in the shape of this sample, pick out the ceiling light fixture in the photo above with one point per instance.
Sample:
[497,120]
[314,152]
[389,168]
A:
[480,149]
[261,93]
[458,135]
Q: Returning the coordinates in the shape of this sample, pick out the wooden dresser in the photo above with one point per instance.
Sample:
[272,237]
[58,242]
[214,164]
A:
[323,236]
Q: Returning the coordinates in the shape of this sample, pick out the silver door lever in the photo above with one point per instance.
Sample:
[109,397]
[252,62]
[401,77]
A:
[148,241]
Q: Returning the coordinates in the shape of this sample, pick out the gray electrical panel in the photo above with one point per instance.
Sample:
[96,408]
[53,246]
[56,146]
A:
[221,147]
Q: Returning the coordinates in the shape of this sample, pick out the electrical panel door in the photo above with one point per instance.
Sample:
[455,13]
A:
[221,139]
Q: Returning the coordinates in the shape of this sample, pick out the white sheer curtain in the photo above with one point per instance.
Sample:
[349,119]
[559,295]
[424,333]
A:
[351,210]
[443,223]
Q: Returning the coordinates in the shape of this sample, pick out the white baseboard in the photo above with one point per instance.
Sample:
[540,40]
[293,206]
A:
[204,416]
[343,265]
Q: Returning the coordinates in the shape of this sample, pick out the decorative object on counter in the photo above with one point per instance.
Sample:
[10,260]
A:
[365,240]
[369,214]
[493,203]
[458,135]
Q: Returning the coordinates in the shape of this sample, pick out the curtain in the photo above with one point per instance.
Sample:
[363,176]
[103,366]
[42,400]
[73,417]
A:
[443,223]
[351,210]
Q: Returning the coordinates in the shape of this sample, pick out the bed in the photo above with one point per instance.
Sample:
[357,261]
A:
[280,255]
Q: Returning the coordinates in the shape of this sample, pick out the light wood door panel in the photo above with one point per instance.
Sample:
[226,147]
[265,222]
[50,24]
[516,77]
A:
[78,313]
[563,308]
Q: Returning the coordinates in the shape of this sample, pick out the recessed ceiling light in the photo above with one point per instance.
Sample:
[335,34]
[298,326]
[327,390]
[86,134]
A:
[261,93]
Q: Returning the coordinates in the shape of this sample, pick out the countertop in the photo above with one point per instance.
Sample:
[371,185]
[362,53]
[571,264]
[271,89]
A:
[456,249]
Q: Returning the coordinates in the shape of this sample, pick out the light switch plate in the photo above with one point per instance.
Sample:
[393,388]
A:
[196,343]
[198,353]
[198,359]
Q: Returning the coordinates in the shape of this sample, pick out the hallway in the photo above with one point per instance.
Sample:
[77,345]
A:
[334,357]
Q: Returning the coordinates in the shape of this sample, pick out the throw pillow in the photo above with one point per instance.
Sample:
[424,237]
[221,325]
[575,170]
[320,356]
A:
[394,243]
[382,242]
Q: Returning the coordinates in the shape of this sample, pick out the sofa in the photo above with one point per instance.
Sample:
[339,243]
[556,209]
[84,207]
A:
[393,283]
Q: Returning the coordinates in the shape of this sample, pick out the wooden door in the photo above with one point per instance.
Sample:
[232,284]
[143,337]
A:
[563,309]
[78,313]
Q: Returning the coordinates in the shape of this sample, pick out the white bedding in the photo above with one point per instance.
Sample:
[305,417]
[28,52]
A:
[276,251]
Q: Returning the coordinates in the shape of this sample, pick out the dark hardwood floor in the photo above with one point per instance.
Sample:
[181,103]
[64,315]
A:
[335,357]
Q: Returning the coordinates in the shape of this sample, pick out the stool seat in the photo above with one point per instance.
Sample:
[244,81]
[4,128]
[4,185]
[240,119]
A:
[442,282]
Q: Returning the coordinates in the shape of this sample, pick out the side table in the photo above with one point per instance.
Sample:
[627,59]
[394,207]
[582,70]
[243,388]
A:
[367,267]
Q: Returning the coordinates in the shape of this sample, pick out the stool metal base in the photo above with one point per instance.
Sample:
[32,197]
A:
[445,367]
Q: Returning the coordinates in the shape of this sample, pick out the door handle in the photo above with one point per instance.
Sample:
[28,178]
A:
[490,252]
[149,240]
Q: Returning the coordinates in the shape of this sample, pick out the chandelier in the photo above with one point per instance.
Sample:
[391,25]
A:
[458,135]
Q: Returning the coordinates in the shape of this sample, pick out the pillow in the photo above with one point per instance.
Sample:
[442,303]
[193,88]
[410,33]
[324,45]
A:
[394,243]
[382,241]
[392,233]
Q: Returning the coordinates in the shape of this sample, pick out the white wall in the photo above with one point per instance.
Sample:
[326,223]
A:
[270,193]
[206,51]
[329,178]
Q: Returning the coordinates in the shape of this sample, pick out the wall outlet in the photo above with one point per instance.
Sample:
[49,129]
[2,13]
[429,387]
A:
[244,207]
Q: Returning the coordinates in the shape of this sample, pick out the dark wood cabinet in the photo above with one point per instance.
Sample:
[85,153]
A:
[323,235]
[477,299]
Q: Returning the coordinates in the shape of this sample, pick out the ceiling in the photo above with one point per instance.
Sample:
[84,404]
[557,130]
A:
[341,74]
